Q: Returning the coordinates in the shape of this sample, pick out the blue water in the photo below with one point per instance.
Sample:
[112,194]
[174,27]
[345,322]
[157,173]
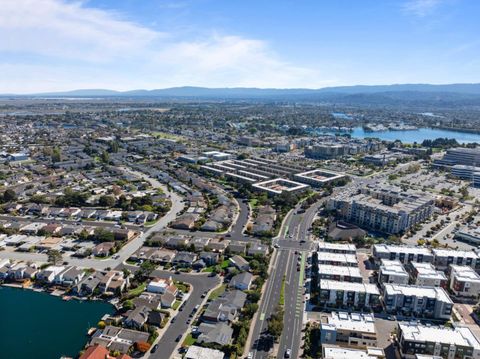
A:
[38,325]
[418,136]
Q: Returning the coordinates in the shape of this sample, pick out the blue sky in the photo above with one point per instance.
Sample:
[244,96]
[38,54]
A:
[50,45]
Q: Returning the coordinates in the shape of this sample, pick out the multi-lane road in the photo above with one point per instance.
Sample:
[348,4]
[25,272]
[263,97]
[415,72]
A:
[293,245]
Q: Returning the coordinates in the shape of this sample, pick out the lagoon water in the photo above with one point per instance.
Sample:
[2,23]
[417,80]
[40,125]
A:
[410,136]
[38,325]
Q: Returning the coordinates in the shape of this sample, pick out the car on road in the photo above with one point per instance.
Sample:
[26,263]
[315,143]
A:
[154,349]
[177,339]
[288,353]
[250,355]
[173,320]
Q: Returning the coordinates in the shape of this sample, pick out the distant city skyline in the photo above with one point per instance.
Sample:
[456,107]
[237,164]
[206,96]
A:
[59,45]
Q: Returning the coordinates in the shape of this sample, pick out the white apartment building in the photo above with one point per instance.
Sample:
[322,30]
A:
[425,275]
[430,302]
[464,281]
[405,254]
[392,272]
[447,343]
[348,329]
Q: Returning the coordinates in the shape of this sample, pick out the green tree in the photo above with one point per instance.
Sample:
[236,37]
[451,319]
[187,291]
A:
[106,201]
[54,256]
[9,195]
[56,155]
[105,157]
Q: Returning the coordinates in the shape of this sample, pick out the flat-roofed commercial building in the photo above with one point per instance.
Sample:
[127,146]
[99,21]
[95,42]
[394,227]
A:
[337,259]
[349,295]
[317,177]
[456,343]
[348,329]
[464,281]
[469,234]
[337,248]
[428,302]
[444,257]
[392,272]
[405,254]
[279,185]
[425,274]
[342,274]
[337,352]
[460,156]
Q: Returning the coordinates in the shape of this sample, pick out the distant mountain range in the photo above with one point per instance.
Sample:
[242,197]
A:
[450,94]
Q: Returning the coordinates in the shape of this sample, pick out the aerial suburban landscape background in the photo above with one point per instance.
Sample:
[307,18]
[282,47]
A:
[205,179]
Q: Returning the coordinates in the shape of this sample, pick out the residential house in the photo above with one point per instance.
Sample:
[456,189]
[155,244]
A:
[218,333]
[239,262]
[103,249]
[241,281]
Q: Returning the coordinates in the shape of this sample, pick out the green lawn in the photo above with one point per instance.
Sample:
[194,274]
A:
[182,287]
[217,292]
[282,292]
[137,291]
[223,265]
[176,304]
[189,340]
[253,203]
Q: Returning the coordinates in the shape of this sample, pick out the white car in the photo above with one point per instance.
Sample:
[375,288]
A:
[250,355]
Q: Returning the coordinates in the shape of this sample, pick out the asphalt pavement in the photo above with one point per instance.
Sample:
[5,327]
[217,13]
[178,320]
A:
[200,283]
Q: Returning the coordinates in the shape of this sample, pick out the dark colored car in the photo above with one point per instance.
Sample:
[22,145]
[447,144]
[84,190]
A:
[154,349]
[177,339]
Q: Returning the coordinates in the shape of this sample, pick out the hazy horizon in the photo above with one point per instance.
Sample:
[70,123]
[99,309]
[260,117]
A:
[63,45]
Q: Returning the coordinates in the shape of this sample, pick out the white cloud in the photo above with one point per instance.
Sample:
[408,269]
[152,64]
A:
[421,8]
[98,48]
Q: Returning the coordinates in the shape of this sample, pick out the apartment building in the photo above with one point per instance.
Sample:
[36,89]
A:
[392,272]
[338,352]
[425,275]
[389,210]
[464,281]
[355,330]
[337,248]
[349,295]
[416,340]
[443,258]
[342,274]
[430,302]
[337,259]
[404,254]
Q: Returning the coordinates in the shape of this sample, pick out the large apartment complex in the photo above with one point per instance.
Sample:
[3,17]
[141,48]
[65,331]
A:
[388,209]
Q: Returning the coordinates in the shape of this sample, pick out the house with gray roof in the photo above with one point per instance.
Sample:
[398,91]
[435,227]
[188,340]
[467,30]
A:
[219,333]
[241,281]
